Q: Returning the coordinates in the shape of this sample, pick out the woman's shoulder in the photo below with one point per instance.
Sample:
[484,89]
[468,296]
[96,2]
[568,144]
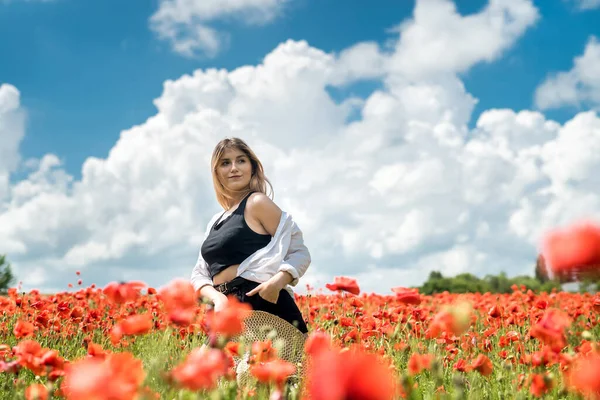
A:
[260,203]
[264,210]
[259,198]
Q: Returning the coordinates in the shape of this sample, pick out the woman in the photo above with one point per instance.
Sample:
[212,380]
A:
[253,250]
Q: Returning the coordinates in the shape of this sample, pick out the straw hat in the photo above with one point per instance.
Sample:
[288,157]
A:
[285,337]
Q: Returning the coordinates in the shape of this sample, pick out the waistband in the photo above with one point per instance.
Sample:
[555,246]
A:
[228,287]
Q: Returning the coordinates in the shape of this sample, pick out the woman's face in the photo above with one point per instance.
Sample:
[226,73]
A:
[234,169]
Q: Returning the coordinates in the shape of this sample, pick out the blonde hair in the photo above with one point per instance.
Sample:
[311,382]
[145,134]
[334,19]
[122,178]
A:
[258,181]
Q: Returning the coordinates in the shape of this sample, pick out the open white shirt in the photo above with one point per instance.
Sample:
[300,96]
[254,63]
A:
[285,252]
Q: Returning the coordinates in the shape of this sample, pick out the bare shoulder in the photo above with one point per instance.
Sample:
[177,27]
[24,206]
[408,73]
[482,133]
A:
[264,210]
[261,203]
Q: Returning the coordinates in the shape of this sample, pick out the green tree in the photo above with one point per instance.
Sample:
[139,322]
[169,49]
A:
[541,272]
[499,283]
[469,283]
[589,285]
[6,276]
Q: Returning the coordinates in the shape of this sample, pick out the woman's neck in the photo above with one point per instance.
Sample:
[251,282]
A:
[237,199]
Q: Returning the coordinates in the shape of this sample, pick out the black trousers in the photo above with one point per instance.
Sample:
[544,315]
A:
[286,308]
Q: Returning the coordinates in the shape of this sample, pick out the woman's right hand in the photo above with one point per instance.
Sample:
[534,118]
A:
[219,300]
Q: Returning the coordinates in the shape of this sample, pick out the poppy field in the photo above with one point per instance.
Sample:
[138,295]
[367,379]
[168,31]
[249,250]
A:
[127,341]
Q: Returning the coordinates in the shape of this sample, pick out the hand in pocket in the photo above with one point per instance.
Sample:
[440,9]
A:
[267,291]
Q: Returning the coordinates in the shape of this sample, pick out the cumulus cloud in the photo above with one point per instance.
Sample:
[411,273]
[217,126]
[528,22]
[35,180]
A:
[439,39]
[12,131]
[186,24]
[585,5]
[579,87]
[403,189]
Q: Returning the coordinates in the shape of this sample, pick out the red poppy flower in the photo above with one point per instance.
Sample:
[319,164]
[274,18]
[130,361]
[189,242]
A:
[201,369]
[419,362]
[274,371]
[136,324]
[550,329]
[540,385]
[584,376]
[345,284]
[573,252]
[407,295]
[483,365]
[230,320]
[117,377]
[123,292]
[180,301]
[36,391]
[23,329]
[351,373]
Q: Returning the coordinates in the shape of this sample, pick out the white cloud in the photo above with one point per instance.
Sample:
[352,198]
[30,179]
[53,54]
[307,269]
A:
[579,87]
[186,24]
[12,131]
[585,5]
[439,39]
[401,190]
[364,60]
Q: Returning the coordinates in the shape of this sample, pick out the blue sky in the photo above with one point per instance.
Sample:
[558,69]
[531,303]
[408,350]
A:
[403,137]
[88,69]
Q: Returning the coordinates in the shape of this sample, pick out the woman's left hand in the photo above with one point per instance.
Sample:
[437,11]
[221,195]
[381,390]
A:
[270,289]
[267,290]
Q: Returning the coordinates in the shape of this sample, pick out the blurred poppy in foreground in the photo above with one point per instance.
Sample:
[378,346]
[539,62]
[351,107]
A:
[351,373]
[122,292]
[573,253]
[407,295]
[117,377]
[345,284]
[584,376]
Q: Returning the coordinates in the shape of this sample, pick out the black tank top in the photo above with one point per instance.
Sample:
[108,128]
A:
[231,241]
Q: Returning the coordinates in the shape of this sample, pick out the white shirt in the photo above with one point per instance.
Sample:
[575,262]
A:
[285,252]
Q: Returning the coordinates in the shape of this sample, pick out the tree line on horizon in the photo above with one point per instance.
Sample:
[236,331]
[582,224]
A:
[6,276]
[501,283]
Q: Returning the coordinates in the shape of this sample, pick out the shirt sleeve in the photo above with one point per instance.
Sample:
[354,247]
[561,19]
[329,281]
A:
[200,275]
[297,259]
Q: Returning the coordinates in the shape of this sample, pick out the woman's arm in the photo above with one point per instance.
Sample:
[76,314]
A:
[297,260]
[203,284]
[265,211]
[200,277]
